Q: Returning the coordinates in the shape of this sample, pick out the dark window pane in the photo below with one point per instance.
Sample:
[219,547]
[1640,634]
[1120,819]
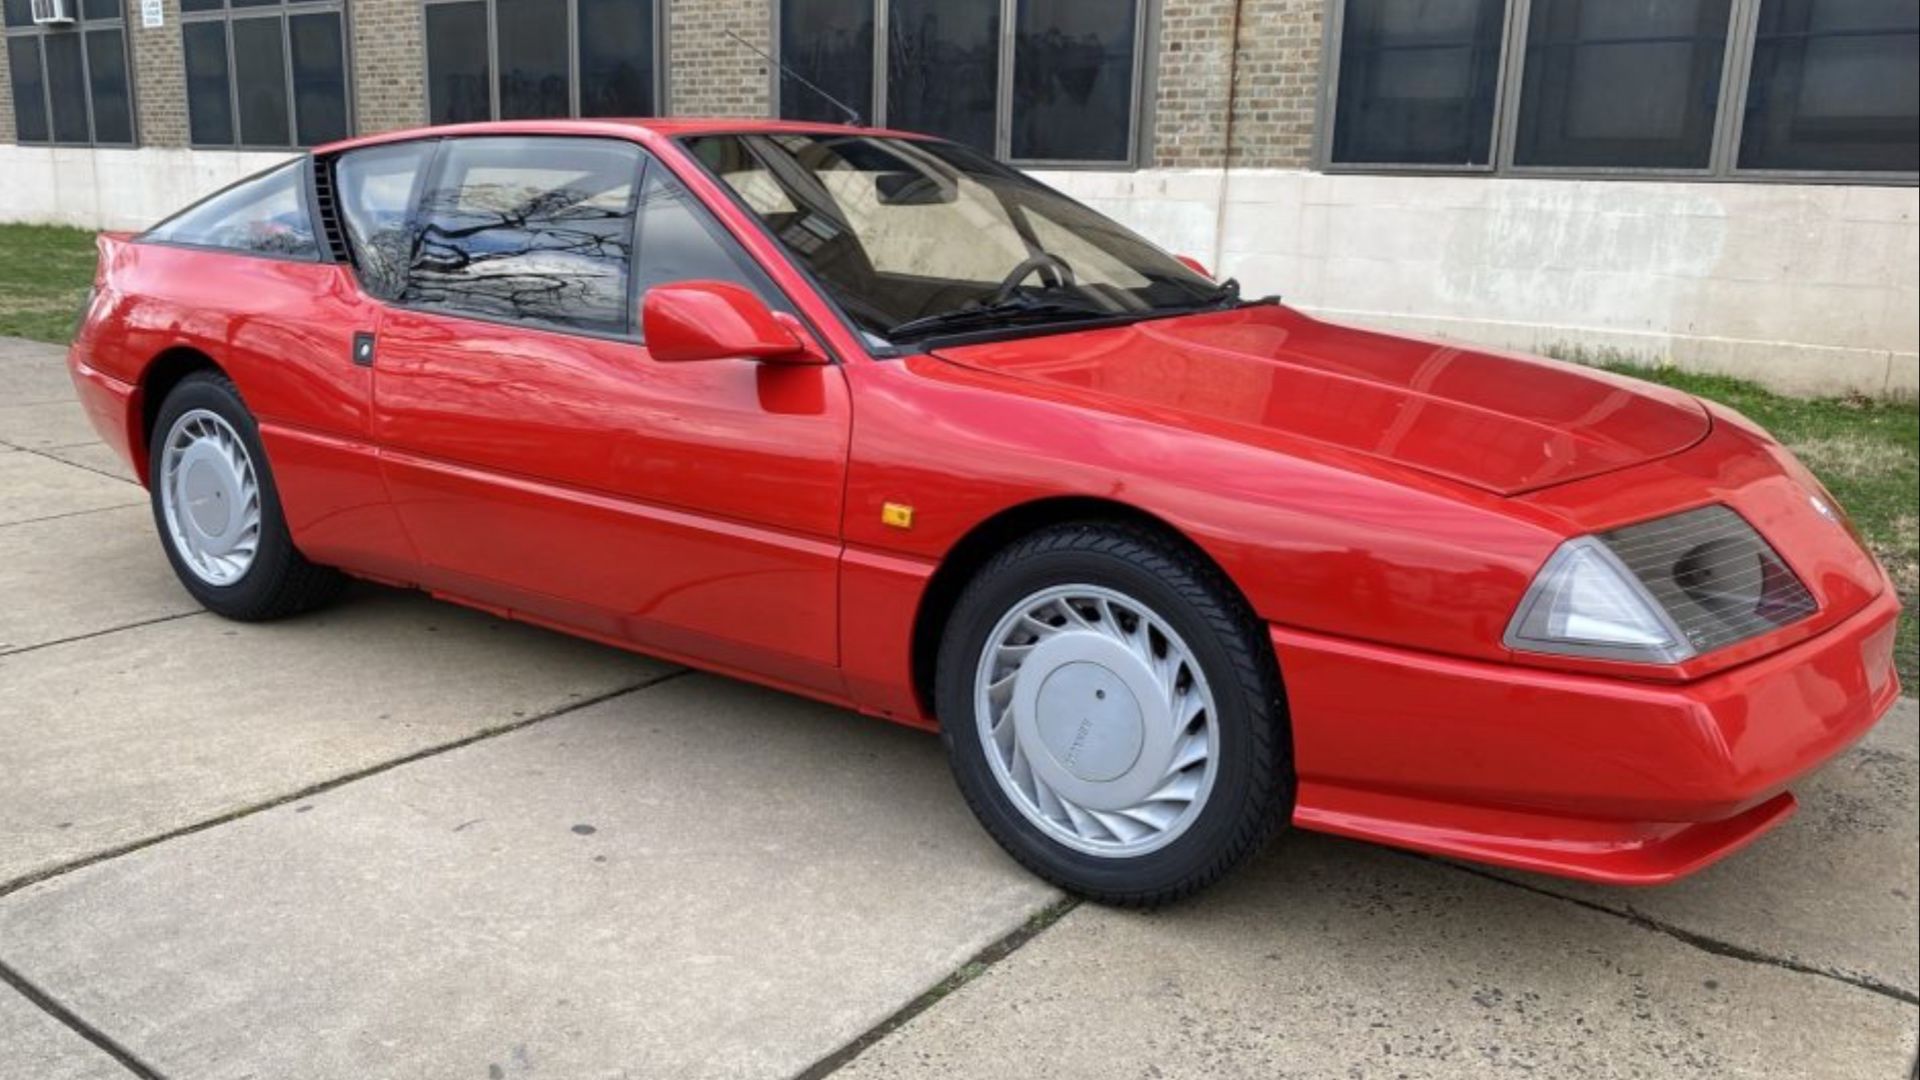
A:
[1417,82]
[19,12]
[265,214]
[1836,87]
[260,75]
[1073,80]
[830,44]
[943,66]
[532,36]
[375,191]
[678,241]
[200,5]
[209,108]
[107,67]
[457,71]
[1622,83]
[616,58]
[319,77]
[100,9]
[29,92]
[67,87]
[534,229]
[251,3]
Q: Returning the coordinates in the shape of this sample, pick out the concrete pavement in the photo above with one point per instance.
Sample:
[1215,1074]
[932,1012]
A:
[397,838]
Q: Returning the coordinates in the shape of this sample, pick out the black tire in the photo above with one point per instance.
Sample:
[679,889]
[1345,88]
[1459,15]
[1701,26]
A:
[1253,788]
[280,581]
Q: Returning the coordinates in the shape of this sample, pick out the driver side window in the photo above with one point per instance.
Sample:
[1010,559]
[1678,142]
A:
[532,229]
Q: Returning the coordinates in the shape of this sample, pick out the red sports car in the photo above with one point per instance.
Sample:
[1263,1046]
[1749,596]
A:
[875,419]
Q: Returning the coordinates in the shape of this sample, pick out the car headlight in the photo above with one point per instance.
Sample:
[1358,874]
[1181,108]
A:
[1659,592]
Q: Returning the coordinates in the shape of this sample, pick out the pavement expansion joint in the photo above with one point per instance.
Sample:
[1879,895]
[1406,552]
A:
[1703,942]
[79,1026]
[8,888]
[981,962]
[175,617]
[68,514]
[47,453]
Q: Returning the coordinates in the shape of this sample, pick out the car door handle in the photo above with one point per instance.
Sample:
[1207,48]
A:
[363,349]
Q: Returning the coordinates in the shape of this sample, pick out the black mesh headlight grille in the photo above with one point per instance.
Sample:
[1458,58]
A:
[1715,576]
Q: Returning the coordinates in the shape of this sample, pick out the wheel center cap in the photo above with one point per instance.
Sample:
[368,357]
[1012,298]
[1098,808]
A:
[1089,721]
[206,495]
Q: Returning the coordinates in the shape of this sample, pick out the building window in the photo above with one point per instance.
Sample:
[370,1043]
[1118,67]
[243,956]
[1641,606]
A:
[1834,86]
[265,74]
[1621,83]
[1417,83]
[1035,81]
[70,85]
[1719,89]
[530,59]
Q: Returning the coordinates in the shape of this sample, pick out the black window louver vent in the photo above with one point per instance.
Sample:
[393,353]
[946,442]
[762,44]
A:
[329,210]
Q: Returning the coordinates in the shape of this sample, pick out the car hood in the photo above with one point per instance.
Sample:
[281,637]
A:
[1502,423]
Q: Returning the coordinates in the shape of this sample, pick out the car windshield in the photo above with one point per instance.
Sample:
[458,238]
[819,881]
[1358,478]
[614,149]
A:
[916,237]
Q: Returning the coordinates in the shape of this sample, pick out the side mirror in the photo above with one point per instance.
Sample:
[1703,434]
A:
[716,320]
[1195,265]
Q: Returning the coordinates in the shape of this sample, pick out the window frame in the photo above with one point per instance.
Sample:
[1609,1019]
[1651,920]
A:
[1146,38]
[662,55]
[283,10]
[80,29]
[1729,123]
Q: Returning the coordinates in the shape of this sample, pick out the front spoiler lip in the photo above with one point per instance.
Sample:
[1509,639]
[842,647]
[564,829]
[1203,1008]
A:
[1605,852]
[1533,808]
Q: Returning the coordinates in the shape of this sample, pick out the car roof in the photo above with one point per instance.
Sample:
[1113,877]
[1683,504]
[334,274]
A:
[647,129]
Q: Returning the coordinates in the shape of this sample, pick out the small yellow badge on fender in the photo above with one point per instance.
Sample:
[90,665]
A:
[896,515]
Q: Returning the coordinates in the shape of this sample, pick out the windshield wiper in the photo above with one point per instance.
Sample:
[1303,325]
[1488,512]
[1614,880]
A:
[995,314]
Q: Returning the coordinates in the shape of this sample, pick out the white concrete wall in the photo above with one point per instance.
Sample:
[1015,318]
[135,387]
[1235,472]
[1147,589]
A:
[1808,288]
[114,189]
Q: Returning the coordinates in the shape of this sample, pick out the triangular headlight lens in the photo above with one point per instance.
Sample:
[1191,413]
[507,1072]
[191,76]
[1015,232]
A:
[1585,603]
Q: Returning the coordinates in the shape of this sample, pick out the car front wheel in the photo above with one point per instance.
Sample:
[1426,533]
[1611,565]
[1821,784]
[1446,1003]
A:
[218,511]
[1113,714]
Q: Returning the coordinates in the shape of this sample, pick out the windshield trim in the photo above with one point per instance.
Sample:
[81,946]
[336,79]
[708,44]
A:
[1067,326]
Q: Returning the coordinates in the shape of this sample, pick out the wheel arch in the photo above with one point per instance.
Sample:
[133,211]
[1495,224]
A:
[157,380]
[973,550]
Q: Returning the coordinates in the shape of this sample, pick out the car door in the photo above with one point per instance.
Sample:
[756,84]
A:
[543,462]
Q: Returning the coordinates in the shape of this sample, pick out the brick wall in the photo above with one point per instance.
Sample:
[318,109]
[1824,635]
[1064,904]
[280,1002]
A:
[7,132]
[389,65]
[1277,76]
[1275,64]
[710,74]
[1195,62]
[159,78]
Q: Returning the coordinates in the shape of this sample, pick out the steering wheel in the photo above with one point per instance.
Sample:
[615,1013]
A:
[1054,272]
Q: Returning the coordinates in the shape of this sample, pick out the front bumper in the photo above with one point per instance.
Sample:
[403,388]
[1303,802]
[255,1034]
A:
[1590,777]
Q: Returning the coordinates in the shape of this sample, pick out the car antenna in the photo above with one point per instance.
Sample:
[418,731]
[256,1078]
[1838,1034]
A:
[853,114]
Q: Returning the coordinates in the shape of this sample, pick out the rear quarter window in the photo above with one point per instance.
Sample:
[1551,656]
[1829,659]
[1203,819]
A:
[265,214]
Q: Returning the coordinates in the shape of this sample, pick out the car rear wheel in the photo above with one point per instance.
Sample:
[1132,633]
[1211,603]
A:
[1113,714]
[218,512]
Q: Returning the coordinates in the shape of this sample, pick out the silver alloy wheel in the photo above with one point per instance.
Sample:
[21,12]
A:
[210,495]
[1097,720]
